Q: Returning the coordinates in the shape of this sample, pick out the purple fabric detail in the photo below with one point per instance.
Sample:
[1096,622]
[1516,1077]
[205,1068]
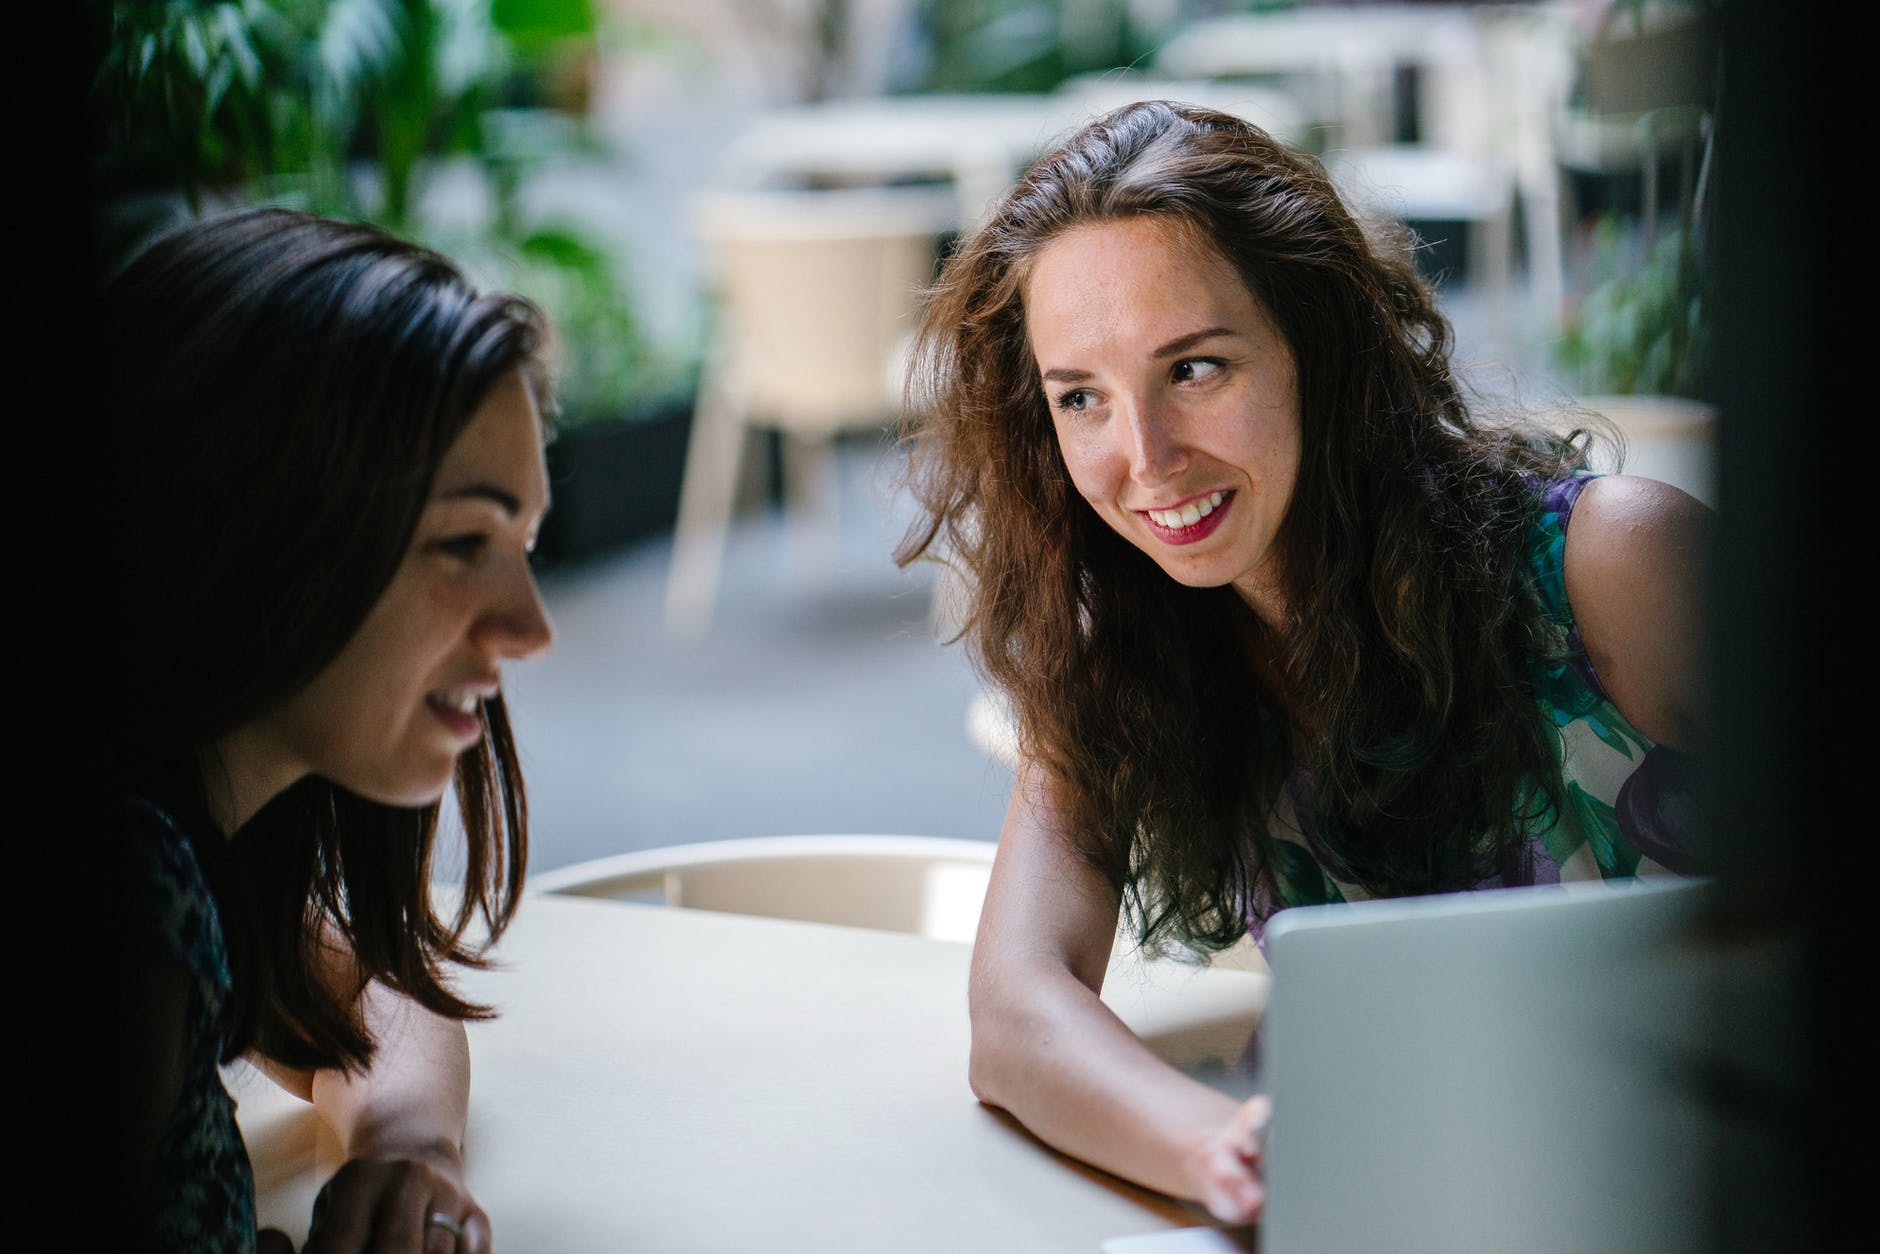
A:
[1558,496]
[1256,921]
[1524,865]
[1658,804]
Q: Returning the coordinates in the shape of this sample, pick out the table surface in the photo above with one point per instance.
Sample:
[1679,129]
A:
[679,1080]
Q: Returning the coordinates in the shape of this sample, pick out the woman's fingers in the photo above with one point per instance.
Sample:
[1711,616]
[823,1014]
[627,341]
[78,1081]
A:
[476,1233]
[455,1225]
[1234,1194]
[1232,1190]
[396,1206]
[1249,1123]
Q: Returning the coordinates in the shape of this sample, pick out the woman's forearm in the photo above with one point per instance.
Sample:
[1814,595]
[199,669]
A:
[1047,1049]
[415,1097]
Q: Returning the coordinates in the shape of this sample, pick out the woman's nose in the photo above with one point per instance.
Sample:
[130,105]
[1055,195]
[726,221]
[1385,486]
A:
[1154,447]
[518,624]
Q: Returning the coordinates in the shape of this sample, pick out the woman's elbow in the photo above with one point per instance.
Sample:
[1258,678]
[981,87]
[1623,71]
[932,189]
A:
[989,1058]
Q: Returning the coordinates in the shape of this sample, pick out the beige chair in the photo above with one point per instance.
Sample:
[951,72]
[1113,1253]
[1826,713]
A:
[923,885]
[929,886]
[815,297]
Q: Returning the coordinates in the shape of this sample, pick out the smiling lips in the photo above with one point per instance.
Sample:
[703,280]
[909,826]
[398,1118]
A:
[1190,521]
[457,709]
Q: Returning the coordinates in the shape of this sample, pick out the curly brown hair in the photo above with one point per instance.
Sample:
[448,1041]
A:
[1414,621]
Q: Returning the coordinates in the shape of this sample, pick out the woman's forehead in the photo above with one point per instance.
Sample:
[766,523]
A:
[1132,278]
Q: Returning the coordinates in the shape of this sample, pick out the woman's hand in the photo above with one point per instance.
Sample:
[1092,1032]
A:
[411,1202]
[1225,1166]
[1049,1051]
[401,1122]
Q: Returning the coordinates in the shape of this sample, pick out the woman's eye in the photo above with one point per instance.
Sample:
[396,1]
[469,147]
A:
[1076,400]
[466,547]
[1194,369]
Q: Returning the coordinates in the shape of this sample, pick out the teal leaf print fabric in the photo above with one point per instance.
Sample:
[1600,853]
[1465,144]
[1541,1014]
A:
[1630,804]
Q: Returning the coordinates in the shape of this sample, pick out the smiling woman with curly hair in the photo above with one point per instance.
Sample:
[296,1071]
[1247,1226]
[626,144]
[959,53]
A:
[1281,620]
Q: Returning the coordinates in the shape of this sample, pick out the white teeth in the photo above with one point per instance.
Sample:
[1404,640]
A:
[1189,514]
[464,702]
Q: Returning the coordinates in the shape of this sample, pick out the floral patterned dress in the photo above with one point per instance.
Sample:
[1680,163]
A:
[1629,802]
[205,1192]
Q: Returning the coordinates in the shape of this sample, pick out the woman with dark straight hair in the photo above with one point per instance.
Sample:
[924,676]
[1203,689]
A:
[325,455]
[1282,621]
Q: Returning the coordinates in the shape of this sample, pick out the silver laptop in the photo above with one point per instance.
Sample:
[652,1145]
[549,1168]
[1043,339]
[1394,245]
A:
[1496,1072]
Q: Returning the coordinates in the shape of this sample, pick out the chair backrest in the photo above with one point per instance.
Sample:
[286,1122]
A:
[816,294]
[923,885]
[930,886]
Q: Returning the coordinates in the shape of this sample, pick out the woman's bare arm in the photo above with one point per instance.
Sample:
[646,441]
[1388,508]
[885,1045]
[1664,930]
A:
[402,1123]
[1636,564]
[1048,1050]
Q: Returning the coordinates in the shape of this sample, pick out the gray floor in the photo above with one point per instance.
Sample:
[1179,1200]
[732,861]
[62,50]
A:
[821,700]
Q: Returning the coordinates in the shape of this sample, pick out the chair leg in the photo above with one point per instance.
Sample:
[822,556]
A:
[1543,216]
[1491,248]
[705,504]
[809,465]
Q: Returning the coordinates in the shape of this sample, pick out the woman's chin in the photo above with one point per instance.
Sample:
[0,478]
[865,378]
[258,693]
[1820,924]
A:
[415,792]
[1196,574]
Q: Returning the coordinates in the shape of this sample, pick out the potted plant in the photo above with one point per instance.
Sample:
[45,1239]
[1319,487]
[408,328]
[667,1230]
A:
[344,107]
[624,416]
[1633,340]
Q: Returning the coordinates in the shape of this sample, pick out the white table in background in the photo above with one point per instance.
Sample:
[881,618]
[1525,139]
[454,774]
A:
[978,142]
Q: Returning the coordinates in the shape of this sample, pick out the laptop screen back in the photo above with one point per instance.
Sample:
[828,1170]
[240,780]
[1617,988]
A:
[1486,1073]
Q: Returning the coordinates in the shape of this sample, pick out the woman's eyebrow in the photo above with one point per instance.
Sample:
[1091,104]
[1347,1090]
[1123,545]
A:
[1174,348]
[1182,344]
[507,501]
[1065,376]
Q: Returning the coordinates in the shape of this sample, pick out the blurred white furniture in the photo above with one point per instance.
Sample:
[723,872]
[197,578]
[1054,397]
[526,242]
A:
[972,144]
[922,885]
[931,886]
[1648,77]
[690,1082]
[815,297]
[1669,438]
[1271,109]
[976,144]
[1340,60]
[1488,80]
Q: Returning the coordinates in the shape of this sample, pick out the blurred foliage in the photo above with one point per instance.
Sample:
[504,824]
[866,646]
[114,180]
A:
[1028,45]
[341,107]
[1640,328]
[281,96]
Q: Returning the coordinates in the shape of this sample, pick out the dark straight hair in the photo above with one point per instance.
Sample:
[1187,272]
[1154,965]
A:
[274,394]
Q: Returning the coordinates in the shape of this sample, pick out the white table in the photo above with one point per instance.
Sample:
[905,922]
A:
[677,1080]
[978,142]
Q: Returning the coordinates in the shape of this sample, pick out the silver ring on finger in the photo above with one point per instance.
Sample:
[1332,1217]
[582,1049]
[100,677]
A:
[438,1219]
